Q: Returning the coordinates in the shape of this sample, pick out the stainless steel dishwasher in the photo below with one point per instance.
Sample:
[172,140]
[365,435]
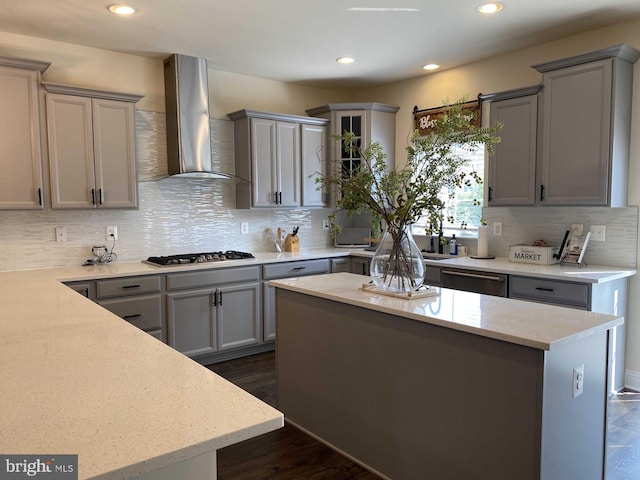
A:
[487,283]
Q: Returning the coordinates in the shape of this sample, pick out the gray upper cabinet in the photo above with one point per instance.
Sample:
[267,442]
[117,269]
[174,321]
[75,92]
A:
[512,167]
[91,137]
[369,122]
[20,148]
[585,128]
[272,151]
[314,162]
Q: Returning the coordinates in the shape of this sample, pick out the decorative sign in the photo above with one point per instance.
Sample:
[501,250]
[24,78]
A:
[424,119]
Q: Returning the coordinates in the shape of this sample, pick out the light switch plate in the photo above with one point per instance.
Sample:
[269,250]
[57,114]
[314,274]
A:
[244,228]
[497,229]
[61,234]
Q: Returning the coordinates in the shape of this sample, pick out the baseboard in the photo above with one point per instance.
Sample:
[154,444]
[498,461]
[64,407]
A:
[632,380]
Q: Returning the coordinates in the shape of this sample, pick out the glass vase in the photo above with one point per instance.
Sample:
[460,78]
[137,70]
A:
[397,264]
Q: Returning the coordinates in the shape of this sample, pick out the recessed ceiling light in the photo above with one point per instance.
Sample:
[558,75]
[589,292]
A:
[345,60]
[122,9]
[431,66]
[492,7]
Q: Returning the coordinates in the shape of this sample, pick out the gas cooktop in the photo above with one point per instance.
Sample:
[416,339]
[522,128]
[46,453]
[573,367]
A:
[187,258]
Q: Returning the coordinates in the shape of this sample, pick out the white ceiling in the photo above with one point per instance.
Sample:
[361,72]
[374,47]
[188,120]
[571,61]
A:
[299,40]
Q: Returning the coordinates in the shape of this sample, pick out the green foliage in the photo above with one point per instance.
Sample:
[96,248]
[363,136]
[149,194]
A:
[400,197]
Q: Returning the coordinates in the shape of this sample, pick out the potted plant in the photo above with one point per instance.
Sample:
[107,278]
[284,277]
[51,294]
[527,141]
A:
[398,198]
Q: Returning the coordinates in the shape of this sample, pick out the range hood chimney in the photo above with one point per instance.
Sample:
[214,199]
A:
[187,111]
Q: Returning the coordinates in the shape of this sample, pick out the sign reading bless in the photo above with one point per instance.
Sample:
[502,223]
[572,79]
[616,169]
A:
[424,119]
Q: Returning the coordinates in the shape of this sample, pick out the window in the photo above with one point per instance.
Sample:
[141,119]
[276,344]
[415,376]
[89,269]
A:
[466,205]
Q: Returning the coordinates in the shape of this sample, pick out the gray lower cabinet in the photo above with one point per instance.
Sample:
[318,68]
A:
[284,270]
[609,297]
[214,310]
[360,265]
[86,289]
[342,264]
[137,300]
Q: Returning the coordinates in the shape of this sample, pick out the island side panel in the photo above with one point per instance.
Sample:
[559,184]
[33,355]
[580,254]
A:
[574,428]
[408,399]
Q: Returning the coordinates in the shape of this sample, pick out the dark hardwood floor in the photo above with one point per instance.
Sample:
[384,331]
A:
[289,454]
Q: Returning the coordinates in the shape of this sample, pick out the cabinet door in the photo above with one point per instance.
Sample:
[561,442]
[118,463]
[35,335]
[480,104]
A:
[314,163]
[288,164]
[360,265]
[115,153]
[269,312]
[512,167]
[239,316]
[355,122]
[70,151]
[575,164]
[340,265]
[263,162]
[20,157]
[191,321]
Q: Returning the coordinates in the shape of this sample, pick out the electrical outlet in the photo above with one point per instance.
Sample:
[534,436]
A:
[244,228]
[112,232]
[61,234]
[578,380]
[325,224]
[597,233]
[497,229]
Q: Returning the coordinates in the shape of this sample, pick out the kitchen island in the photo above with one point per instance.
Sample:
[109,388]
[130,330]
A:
[458,385]
[77,379]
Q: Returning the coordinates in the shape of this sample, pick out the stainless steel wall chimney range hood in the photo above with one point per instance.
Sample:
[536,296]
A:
[187,111]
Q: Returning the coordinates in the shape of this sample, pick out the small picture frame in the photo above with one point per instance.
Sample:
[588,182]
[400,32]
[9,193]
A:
[575,248]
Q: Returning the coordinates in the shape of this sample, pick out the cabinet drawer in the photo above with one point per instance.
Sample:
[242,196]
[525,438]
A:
[120,287]
[207,278]
[550,291]
[295,269]
[144,311]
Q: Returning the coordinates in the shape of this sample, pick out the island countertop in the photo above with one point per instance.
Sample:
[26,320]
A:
[77,379]
[525,323]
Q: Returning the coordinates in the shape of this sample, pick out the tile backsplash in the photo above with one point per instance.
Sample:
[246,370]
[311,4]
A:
[527,224]
[174,215]
[180,215]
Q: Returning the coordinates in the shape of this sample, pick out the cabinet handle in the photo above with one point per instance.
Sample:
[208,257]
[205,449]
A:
[220,299]
[490,193]
[279,198]
[275,198]
[215,298]
[100,195]
[131,286]
[545,289]
[299,268]
[541,193]
[93,196]
[40,196]
[135,315]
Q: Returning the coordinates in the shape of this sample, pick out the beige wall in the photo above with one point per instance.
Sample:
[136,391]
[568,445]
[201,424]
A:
[102,69]
[512,70]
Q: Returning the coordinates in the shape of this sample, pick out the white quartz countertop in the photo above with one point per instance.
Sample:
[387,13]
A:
[570,273]
[525,323]
[76,379]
